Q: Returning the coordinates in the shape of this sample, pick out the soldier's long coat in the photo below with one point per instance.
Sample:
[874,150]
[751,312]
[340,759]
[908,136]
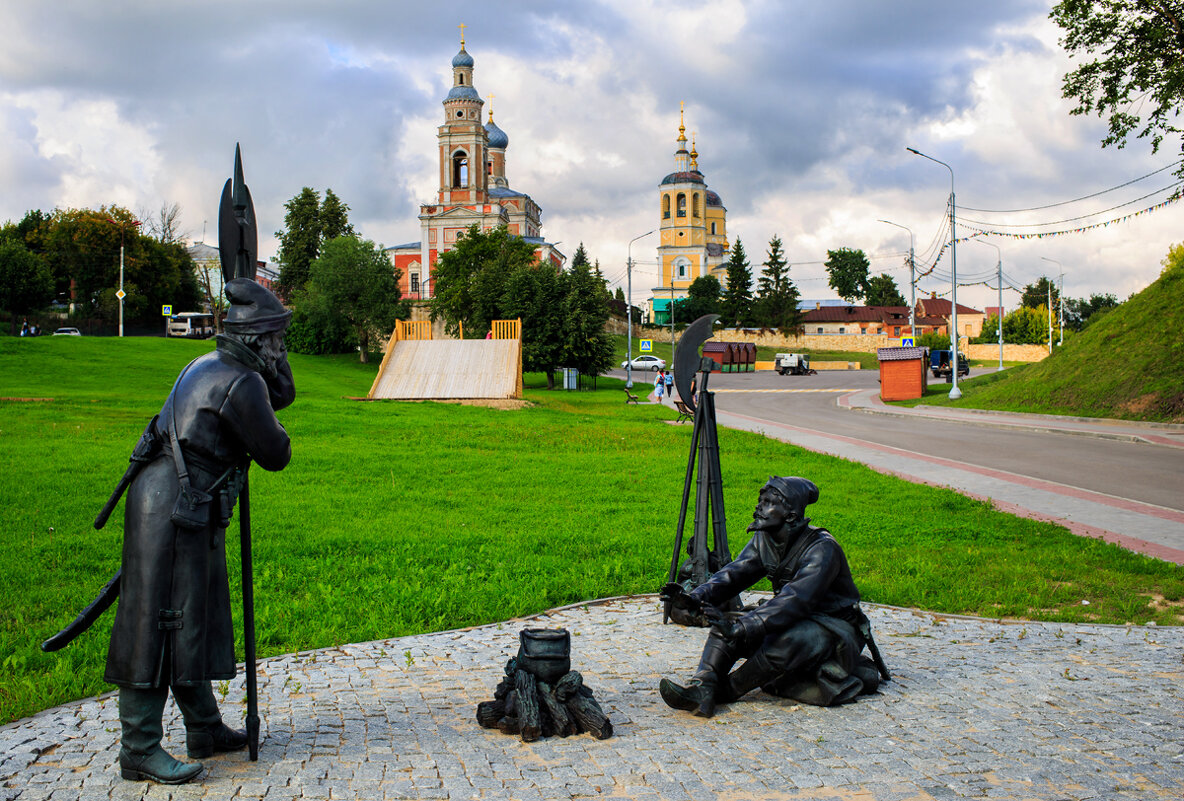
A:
[173,625]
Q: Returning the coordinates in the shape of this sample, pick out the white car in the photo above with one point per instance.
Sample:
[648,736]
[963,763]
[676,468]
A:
[646,362]
[67,332]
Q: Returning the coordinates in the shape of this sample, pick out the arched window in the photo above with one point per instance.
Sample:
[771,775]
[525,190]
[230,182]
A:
[460,80]
[695,204]
[682,205]
[713,229]
[665,207]
[681,266]
[460,170]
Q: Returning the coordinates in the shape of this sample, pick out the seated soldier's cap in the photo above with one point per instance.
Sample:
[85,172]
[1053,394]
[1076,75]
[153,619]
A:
[254,309]
[800,492]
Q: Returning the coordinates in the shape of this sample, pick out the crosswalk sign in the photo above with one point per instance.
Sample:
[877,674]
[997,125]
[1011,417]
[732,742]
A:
[906,342]
[647,345]
[166,310]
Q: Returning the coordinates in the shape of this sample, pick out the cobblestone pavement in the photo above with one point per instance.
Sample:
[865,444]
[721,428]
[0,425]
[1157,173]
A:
[976,709]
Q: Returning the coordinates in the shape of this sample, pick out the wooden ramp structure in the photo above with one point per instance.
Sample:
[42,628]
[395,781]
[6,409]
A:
[417,367]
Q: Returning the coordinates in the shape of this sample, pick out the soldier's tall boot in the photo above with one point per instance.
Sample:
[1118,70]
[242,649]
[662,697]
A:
[700,695]
[205,733]
[756,671]
[140,756]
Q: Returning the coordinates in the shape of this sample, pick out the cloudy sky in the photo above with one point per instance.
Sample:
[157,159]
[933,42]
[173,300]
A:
[802,112]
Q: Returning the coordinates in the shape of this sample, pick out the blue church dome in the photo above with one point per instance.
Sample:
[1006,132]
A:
[463,93]
[497,137]
[462,59]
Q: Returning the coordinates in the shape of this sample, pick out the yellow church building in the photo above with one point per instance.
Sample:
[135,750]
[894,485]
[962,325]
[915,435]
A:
[693,227]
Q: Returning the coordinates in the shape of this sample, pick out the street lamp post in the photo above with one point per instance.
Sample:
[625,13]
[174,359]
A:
[121,294]
[1061,298]
[629,310]
[955,393]
[912,282]
[999,269]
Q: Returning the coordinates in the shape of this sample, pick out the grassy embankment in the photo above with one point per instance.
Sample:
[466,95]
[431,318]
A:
[1129,364]
[397,518]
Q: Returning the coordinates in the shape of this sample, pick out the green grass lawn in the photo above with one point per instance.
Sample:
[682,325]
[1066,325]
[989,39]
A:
[399,518]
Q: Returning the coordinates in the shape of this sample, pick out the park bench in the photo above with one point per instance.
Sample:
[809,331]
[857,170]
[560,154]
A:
[629,396]
[684,412]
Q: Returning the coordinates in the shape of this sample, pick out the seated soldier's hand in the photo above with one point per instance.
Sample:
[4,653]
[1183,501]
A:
[676,595]
[731,630]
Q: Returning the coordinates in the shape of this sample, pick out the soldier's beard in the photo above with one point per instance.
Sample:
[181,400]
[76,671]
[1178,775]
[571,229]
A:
[271,350]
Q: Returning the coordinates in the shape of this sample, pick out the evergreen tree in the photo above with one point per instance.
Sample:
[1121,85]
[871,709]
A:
[587,345]
[736,304]
[777,297]
[620,294]
[580,259]
[333,218]
[300,241]
[703,297]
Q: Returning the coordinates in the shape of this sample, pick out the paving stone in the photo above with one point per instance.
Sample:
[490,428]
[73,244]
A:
[978,709]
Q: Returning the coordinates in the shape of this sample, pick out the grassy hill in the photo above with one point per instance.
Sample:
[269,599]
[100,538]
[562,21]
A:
[1128,364]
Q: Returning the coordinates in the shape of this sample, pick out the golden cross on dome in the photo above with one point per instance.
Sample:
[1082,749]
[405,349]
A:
[490,107]
[462,27]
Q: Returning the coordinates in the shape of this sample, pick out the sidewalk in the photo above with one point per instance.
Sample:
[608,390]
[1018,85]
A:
[976,709]
[868,400]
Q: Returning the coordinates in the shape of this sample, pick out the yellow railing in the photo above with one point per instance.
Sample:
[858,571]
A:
[507,329]
[413,329]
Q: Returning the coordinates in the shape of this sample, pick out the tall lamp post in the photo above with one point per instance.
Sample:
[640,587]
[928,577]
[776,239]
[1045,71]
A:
[912,282]
[629,310]
[1061,300]
[121,294]
[999,269]
[955,393]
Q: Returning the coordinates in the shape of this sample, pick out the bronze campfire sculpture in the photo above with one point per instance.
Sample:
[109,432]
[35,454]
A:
[172,627]
[541,695]
[804,643]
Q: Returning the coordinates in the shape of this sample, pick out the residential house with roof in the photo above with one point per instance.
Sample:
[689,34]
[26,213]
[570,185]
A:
[892,321]
[970,321]
[474,189]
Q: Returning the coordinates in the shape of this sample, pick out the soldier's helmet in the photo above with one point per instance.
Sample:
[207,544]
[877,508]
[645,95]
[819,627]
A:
[797,492]
[254,309]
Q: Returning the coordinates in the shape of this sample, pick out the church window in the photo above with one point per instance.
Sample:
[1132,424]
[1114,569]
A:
[415,283]
[682,205]
[459,114]
[695,204]
[489,168]
[681,265]
[460,170]
[460,80]
[713,229]
[665,207]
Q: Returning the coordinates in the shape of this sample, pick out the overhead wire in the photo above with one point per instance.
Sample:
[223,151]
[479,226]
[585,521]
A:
[1074,200]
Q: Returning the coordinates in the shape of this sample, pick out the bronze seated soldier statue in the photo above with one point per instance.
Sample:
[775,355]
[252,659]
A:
[806,642]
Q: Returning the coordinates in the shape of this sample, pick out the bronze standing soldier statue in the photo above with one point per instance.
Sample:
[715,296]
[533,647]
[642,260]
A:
[805,642]
[173,627]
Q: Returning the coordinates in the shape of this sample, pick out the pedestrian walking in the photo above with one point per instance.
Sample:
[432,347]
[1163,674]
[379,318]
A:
[660,385]
[670,384]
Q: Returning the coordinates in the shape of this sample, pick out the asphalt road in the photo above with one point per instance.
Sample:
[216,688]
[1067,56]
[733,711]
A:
[1129,470]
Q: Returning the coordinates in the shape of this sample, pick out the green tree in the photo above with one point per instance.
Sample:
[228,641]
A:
[534,293]
[587,346]
[354,278]
[736,303]
[620,294]
[1079,312]
[580,259]
[1036,294]
[703,297]
[1134,77]
[777,296]
[882,291]
[333,218]
[309,223]
[26,284]
[472,276]
[848,273]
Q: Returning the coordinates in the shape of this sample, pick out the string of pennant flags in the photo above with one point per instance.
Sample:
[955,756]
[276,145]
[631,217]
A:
[977,232]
